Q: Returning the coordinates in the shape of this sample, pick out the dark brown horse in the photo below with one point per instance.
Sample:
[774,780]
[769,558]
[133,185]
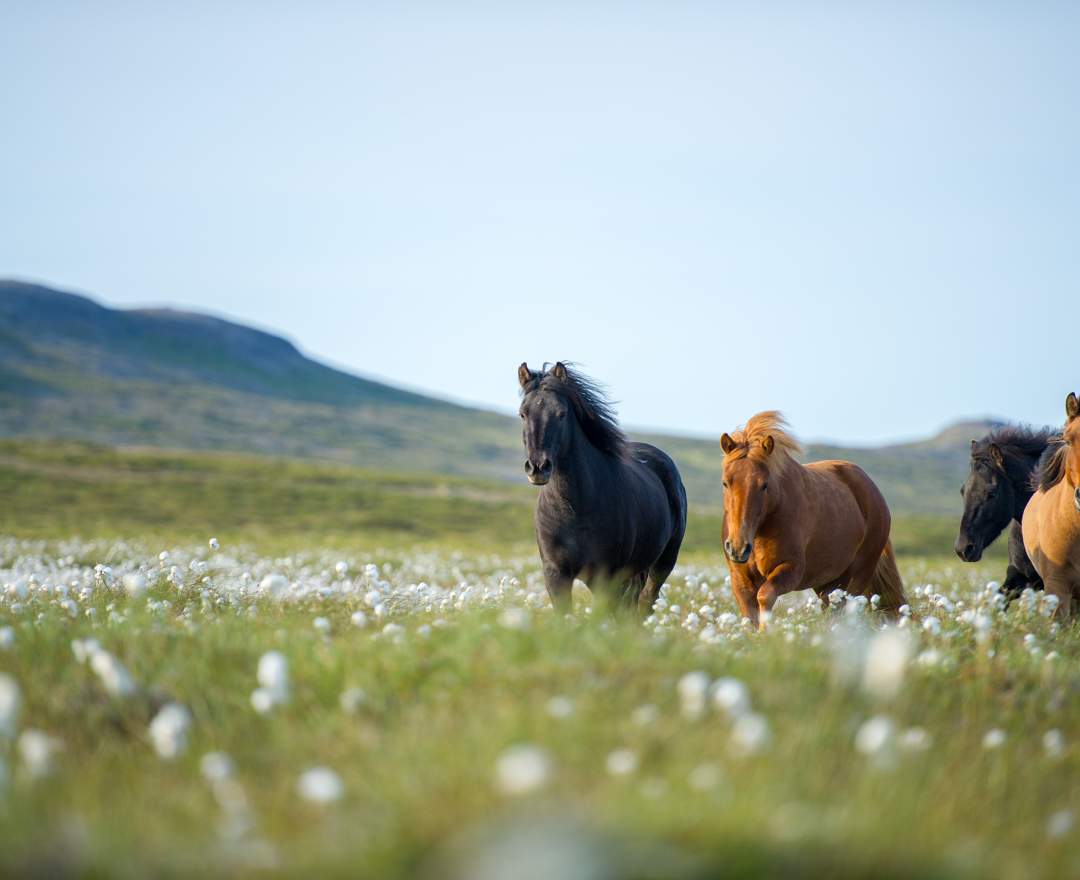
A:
[610,512]
[789,526]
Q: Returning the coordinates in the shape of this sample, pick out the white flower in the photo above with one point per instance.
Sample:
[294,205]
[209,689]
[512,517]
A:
[730,696]
[216,766]
[749,734]
[522,769]
[262,700]
[1060,824]
[274,584]
[994,739]
[169,730]
[352,699]
[932,625]
[514,618]
[116,680]
[914,739]
[622,762]
[645,715]
[321,624]
[692,689]
[273,676]
[342,568]
[320,785]
[135,584]
[1054,743]
[359,619]
[875,736]
[215,544]
[886,663]
[36,748]
[560,707]
[7,638]
[84,649]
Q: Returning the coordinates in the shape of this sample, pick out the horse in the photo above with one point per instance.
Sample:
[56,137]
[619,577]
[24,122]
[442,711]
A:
[1051,525]
[995,494]
[789,526]
[609,511]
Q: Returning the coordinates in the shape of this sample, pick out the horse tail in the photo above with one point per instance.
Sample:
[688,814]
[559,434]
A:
[887,583]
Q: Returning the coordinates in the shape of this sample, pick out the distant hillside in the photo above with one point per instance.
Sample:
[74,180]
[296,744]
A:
[73,369]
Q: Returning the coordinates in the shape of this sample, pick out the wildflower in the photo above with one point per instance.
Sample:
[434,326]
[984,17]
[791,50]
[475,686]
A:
[352,699]
[134,584]
[522,770]
[274,585]
[84,649]
[1060,824]
[1054,743]
[645,715]
[514,618]
[214,544]
[932,625]
[622,762]
[730,696]
[886,663]
[216,766]
[37,749]
[359,619]
[321,624]
[116,680]
[169,729]
[994,739]
[874,737]
[273,676]
[10,704]
[342,568]
[7,638]
[560,707]
[750,734]
[320,785]
[914,739]
[692,689]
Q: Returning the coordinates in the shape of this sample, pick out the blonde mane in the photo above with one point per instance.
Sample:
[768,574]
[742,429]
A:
[750,439]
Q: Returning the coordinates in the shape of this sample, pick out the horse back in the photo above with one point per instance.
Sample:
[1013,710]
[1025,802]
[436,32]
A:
[660,464]
[848,511]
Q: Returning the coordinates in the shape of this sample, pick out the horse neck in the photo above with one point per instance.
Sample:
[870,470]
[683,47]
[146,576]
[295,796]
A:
[581,468]
[793,479]
[1019,469]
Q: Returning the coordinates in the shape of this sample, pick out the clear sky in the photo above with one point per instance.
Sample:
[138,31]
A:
[865,214]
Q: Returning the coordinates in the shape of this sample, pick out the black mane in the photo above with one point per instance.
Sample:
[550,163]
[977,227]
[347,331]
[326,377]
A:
[1051,467]
[1015,441]
[593,410]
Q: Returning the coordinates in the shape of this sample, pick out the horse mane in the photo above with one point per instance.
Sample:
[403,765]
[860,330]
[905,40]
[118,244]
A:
[595,413]
[1051,467]
[1015,441]
[749,439]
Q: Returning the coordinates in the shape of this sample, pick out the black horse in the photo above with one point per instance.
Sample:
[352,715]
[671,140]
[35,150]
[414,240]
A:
[995,494]
[610,512]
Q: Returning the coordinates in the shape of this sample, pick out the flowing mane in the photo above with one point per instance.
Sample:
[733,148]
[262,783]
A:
[1015,441]
[749,440]
[1051,467]
[593,410]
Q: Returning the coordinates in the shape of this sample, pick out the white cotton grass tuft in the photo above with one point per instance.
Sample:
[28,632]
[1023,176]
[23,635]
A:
[84,649]
[621,762]
[1054,743]
[216,766]
[169,730]
[214,543]
[750,734]
[914,739]
[112,674]
[994,738]
[522,769]
[730,696]
[559,707]
[320,785]
[693,688]
[7,638]
[274,585]
[514,618]
[1060,824]
[273,676]
[875,738]
[37,750]
[352,700]
[10,705]
[887,658]
[135,584]
[359,619]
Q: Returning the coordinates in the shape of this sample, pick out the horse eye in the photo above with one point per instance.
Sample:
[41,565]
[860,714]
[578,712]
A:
[961,491]
[724,484]
[764,487]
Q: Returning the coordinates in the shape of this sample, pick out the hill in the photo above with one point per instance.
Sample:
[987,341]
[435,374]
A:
[73,369]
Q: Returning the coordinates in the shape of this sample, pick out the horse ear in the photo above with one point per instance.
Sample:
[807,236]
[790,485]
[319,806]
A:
[524,374]
[974,446]
[1072,406]
[995,454]
[726,443]
[768,444]
[559,371]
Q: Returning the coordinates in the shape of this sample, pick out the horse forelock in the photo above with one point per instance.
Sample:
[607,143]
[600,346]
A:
[750,442]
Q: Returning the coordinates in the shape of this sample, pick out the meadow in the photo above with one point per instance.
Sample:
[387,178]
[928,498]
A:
[206,669]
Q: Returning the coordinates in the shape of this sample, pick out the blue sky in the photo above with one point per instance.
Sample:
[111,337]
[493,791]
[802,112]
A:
[866,215]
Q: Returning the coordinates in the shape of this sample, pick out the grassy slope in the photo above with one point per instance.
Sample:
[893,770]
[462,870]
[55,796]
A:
[53,489]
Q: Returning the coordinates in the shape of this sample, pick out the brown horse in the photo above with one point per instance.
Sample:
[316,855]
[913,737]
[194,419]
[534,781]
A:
[1052,517]
[789,526]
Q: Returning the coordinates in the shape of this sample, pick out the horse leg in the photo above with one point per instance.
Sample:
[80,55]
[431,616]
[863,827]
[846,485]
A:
[560,588]
[742,587]
[658,575]
[1058,584]
[785,578]
[1020,573]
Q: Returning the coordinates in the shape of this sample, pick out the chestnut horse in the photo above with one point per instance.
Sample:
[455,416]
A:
[789,526]
[1052,517]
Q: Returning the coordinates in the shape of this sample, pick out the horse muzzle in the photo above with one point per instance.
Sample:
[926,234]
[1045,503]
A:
[539,474]
[968,551]
[738,555]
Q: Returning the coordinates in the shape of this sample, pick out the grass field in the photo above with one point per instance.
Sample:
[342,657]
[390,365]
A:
[461,729]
